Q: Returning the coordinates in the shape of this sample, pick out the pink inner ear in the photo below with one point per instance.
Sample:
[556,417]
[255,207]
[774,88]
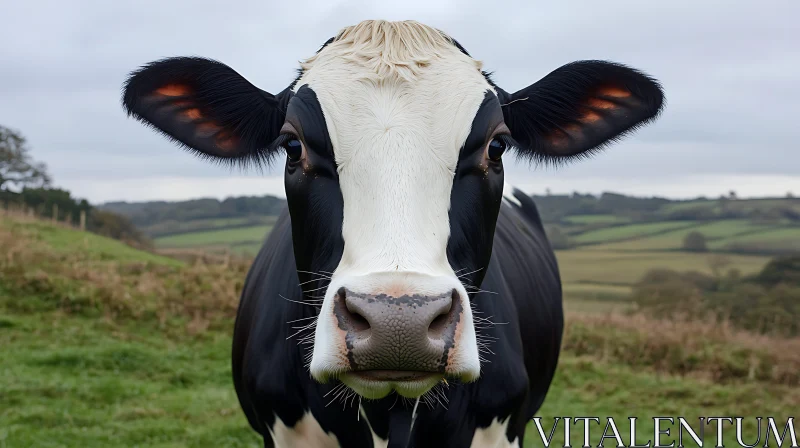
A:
[558,138]
[590,117]
[598,103]
[226,142]
[173,90]
[192,114]
[613,92]
[207,129]
[223,140]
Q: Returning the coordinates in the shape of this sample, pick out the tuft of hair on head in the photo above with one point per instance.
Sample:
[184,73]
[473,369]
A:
[390,49]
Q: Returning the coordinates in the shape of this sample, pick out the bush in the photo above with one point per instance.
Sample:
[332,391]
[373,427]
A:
[695,242]
[684,347]
[767,303]
[780,270]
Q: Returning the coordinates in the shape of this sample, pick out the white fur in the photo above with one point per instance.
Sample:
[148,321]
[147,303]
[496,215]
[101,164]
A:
[306,432]
[377,442]
[493,436]
[398,101]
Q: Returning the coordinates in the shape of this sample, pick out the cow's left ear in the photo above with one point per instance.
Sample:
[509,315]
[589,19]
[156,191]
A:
[579,108]
[207,107]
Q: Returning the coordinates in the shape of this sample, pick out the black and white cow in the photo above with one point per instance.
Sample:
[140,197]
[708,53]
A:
[431,307]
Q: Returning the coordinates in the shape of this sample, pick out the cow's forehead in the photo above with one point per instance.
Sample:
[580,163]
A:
[396,84]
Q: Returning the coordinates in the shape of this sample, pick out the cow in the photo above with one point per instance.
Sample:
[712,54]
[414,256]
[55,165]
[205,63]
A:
[406,297]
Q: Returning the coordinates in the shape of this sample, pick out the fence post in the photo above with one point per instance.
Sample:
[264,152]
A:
[55,212]
[83,219]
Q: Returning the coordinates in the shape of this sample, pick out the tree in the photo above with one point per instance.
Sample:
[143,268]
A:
[17,168]
[118,227]
[695,242]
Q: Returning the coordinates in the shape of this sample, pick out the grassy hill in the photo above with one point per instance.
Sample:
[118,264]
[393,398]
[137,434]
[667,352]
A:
[104,345]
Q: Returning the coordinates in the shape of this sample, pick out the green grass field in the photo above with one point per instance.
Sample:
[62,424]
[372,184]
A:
[73,382]
[596,219]
[244,236]
[625,268]
[64,240]
[788,235]
[749,204]
[169,228]
[89,362]
[630,231]
[673,240]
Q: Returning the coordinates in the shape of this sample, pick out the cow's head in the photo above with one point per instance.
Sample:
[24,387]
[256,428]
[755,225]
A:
[394,141]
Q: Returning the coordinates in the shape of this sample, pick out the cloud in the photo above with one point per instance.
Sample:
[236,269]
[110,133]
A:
[730,71]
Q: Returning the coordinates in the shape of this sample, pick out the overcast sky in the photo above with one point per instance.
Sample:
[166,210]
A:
[730,69]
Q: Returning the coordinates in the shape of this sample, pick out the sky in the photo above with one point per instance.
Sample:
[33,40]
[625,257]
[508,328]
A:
[730,70]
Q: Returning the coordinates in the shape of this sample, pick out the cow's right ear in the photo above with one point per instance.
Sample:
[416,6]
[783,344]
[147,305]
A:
[207,107]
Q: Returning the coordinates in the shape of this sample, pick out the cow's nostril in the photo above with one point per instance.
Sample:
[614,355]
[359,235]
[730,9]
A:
[445,318]
[359,323]
[351,316]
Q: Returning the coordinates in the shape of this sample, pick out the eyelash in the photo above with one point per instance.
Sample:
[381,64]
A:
[507,139]
[282,140]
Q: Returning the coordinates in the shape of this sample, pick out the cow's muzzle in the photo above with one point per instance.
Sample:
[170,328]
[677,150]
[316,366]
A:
[398,331]
[409,333]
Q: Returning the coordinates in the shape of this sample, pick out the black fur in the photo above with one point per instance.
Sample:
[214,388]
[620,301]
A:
[561,98]
[524,302]
[514,262]
[269,363]
[249,116]
[487,75]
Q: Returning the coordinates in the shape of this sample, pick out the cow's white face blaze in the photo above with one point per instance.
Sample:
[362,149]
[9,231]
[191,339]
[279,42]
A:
[396,127]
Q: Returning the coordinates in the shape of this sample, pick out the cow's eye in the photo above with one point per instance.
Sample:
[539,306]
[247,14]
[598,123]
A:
[294,149]
[496,148]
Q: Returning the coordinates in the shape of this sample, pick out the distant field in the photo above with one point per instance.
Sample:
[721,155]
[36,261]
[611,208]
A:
[630,231]
[785,238]
[625,268]
[169,228]
[595,297]
[247,247]
[596,219]
[791,234]
[673,240]
[595,291]
[229,237]
[716,205]
[599,273]
[684,205]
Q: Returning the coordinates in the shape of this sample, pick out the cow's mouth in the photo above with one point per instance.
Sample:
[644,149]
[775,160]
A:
[375,384]
[391,375]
